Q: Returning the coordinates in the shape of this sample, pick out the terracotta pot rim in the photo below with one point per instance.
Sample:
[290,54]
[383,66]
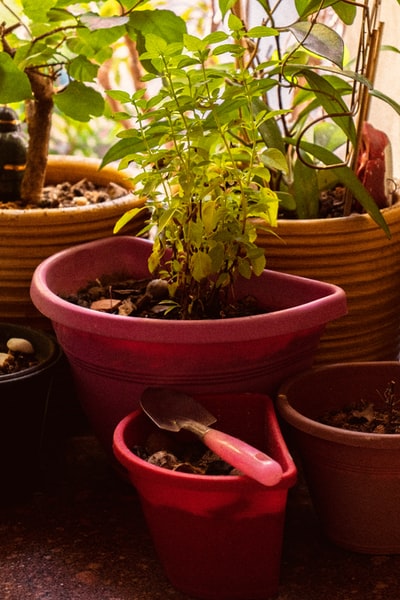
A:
[66,163]
[297,419]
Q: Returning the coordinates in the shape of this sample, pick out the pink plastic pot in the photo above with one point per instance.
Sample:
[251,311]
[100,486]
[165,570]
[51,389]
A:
[353,477]
[113,358]
[217,537]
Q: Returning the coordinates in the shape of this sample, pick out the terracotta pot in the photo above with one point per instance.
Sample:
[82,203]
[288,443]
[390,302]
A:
[23,413]
[114,358]
[353,477]
[354,254]
[218,537]
[29,236]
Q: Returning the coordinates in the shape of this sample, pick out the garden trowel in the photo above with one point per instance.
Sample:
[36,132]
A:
[173,411]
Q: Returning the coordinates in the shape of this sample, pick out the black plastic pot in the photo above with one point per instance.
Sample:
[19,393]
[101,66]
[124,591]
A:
[24,406]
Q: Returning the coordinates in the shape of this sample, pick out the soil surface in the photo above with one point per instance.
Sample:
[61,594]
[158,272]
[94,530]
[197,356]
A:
[368,417]
[66,194]
[146,298]
[193,457]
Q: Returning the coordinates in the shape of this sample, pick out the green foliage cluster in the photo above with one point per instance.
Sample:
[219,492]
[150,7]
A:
[202,168]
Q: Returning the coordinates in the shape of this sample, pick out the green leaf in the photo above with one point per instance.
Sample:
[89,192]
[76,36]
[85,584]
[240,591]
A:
[14,84]
[163,23]
[201,266]
[225,5]
[346,10]
[329,135]
[261,31]
[305,191]
[83,69]
[127,217]
[37,11]
[320,39]
[332,103]
[348,178]
[90,104]
[234,23]
[269,129]
[275,159]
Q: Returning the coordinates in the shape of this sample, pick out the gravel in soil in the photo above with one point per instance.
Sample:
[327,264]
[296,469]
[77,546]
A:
[369,417]
[147,298]
[66,194]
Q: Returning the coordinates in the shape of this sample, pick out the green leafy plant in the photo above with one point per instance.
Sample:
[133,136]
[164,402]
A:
[51,53]
[215,158]
[328,101]
[202,166]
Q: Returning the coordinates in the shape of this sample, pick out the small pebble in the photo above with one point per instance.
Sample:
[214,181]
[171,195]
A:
[4,358]
[20,345]
[157,289]
[163,459]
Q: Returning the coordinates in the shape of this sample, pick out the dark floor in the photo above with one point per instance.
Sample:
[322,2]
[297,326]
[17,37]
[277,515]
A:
[81,536]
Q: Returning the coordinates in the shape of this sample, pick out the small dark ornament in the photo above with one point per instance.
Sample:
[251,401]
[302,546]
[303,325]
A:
[13,151]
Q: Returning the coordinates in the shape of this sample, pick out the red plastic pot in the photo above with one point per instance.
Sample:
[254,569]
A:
[353,477]
[113,358]
[217,537]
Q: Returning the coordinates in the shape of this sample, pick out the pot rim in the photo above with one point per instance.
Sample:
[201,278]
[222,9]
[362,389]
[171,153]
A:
[328,300]
[222,483]
[310,426]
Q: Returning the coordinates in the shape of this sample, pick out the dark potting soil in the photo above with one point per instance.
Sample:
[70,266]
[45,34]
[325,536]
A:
[366,416]
[66,195]
[146,298]
[165,451]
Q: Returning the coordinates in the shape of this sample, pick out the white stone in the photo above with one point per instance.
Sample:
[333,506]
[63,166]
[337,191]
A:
[3,359]
[20,345]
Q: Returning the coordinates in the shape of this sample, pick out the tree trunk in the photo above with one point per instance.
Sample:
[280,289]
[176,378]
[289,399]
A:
[38,113]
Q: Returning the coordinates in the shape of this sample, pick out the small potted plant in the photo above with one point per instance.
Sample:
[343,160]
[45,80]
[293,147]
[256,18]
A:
[50,57]
[203,174]
[343,421]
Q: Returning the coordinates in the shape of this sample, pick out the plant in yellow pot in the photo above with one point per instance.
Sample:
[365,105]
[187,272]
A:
[325,230]
[50,57]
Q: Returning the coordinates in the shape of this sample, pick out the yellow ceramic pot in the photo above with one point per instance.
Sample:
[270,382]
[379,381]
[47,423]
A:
[29,236]
[353,253]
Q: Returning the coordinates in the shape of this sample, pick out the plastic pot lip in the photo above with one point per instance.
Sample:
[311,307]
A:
[54,355]
[324,303]
[311,427]
[191,480]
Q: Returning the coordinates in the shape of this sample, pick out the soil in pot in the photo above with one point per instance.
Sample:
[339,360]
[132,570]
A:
[148,298]
[367,417]
[66,194]
[181,455]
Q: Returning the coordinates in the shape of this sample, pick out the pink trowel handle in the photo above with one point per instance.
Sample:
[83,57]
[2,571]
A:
[242,456]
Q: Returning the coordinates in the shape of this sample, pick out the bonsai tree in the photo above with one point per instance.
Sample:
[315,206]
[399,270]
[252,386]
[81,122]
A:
[212,150]
[50,56]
